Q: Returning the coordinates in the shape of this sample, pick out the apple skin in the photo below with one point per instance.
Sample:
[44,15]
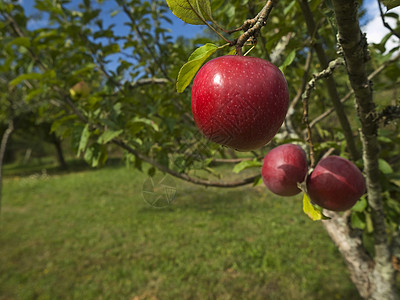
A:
[336,184]
[283,167]
[80,90]
[239,101]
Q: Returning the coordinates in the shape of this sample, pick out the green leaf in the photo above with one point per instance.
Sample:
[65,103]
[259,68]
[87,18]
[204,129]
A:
[358,220]
[84,139]
[87,68]
[232,52]
[137,124]
[205,6]
[288,61]
[61,121]
[360,205]
[213,172]
[114,13]
[258,181]
[33,93]
[20,41]
[28,76]
[111,49]
[96,155]
[46,34]
[391,3]
[370,225]
[395,182]
[109,135]
[312,211]
[384,167]
[384,139]
[151,171]
[245,165]
[194,12]
[289,7]
[195,61]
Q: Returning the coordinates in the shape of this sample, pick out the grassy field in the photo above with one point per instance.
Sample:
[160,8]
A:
[90,235]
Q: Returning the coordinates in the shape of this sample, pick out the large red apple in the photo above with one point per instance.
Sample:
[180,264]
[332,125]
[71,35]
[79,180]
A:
[284,167]
[239,101]
[335,184]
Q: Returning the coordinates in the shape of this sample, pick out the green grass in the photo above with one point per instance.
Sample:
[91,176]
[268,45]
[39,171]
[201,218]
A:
[90,235]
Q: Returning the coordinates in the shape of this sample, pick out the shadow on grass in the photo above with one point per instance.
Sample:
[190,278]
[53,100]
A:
[217,201]
[49,167]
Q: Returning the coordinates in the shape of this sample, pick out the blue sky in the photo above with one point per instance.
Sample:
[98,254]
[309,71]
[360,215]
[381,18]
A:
[371,21]
[178,28]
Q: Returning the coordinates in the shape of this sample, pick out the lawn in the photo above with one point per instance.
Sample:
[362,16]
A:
[90,235]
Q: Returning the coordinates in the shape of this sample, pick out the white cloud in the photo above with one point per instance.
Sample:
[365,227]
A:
[37,23]
[375,29]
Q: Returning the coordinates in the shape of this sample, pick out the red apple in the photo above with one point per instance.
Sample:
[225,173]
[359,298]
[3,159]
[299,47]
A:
[239,101]
[283,167]
[335,184]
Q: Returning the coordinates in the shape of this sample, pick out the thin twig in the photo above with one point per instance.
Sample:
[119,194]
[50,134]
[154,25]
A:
[296,99]
[384,21]
[350,93]
[389,114]
[18,32]
[141,36]
[147,81]
[306,95]
[253,31]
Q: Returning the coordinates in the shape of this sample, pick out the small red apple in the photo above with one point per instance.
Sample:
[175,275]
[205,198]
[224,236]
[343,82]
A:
[284,167]
[80,90]
[335,183]
[239,101]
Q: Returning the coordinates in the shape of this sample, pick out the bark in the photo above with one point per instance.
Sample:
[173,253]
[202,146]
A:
[349,243]
[330,82]
[3,147]
[60,153]
[355,51]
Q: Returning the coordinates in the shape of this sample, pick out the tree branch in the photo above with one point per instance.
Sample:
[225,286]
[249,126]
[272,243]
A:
[183,176]
[159,166]
[147,81]
[3,147]
[19,33]
[389,114]
[254,26]
[306,95]
[354,46]
[349,94]
[146,45]
[330,82]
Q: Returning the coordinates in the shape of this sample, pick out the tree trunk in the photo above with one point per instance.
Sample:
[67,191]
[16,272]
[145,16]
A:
[354,46]
[60,153]
[3,147]
[349,243]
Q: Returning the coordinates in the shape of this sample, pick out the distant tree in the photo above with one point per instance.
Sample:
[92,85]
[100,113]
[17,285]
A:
[319,47]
